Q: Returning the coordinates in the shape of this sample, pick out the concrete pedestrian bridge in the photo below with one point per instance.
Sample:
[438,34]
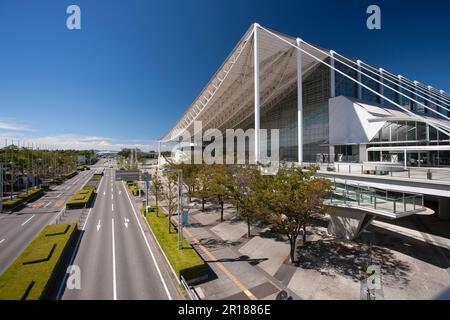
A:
[355,205]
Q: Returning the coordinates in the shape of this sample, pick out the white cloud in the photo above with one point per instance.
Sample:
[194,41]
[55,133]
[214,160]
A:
[78,142]
[13,126]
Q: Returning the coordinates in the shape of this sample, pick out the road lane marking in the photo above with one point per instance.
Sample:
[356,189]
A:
[148,246]
[104,193]
[49,203]
[98,225]
[112,206]
[59,195]
[28,220]
[114,263]
[120,192]
[126,222]
[1,241]
[112,196]
[72,258]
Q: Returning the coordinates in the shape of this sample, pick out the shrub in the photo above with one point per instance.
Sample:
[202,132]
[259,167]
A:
[31,275]
[31,194]
[12,203]
[82,198]
[70,174]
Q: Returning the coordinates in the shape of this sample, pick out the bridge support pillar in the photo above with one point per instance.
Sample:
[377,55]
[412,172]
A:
[444,208]
[348,223]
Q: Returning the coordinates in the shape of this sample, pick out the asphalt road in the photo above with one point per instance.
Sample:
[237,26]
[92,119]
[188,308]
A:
[18,229]
[116,256]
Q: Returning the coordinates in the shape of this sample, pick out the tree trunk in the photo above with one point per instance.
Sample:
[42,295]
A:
[203,204]
[156,201]
[221,210]
[248,227]
[169,222]
[292,243]
[304,233]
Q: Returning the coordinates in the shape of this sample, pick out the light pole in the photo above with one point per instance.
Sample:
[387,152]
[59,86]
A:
[179,173]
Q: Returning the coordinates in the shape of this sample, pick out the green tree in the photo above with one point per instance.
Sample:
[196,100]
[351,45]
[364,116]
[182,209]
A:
[293,197]
[171,196]
[244,188]
[220,177]
[156,189]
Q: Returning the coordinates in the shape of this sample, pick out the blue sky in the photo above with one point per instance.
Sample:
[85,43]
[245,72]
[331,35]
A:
[136,65]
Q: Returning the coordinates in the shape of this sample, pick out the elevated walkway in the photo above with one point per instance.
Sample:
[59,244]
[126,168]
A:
[355,205]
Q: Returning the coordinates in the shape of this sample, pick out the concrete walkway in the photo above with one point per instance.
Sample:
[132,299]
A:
[414,234]
[233,274]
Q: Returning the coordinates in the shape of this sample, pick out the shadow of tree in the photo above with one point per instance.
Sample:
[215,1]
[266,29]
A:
[211,243]
[335,258]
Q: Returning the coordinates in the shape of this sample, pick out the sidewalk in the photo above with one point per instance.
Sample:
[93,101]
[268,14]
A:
[233,274]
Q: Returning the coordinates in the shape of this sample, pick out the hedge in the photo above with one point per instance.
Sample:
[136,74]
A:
[33,273]
[186,262]
[82,198]
[70,174]
[98,172]
[31,194]
[12,203]
[22,198]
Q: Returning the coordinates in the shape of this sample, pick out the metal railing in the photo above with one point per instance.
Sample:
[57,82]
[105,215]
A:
[392,170]
[191,293]
[391,202]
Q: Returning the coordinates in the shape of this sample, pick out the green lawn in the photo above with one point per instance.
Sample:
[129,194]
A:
[31,274]
[186,262]
[82,198]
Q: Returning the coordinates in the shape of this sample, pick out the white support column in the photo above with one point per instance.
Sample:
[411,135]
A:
[404,160]
[400,77]
[299,103]
[431,105]
[159,152]
[381,86]
[416,84]
[332,76]
[257,98]
[442,96]
[358,76]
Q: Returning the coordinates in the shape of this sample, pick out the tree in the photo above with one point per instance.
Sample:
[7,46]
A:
[220,177]
[190,175]
[171,195]
[203,182]
[293,197]
[243,189]
[156,188]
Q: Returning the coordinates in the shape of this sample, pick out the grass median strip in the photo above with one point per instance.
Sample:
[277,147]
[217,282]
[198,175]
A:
[22,198]
[82,198]
[30,276]
[186,262]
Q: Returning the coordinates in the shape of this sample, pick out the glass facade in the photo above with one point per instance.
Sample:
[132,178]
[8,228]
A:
[316,93]
[345,86]
[368,95]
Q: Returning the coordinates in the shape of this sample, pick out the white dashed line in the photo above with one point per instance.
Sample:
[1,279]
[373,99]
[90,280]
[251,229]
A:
[28,220]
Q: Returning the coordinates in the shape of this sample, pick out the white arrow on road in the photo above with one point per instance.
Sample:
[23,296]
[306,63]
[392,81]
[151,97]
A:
[126,222]
[98,225]
[104,193]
